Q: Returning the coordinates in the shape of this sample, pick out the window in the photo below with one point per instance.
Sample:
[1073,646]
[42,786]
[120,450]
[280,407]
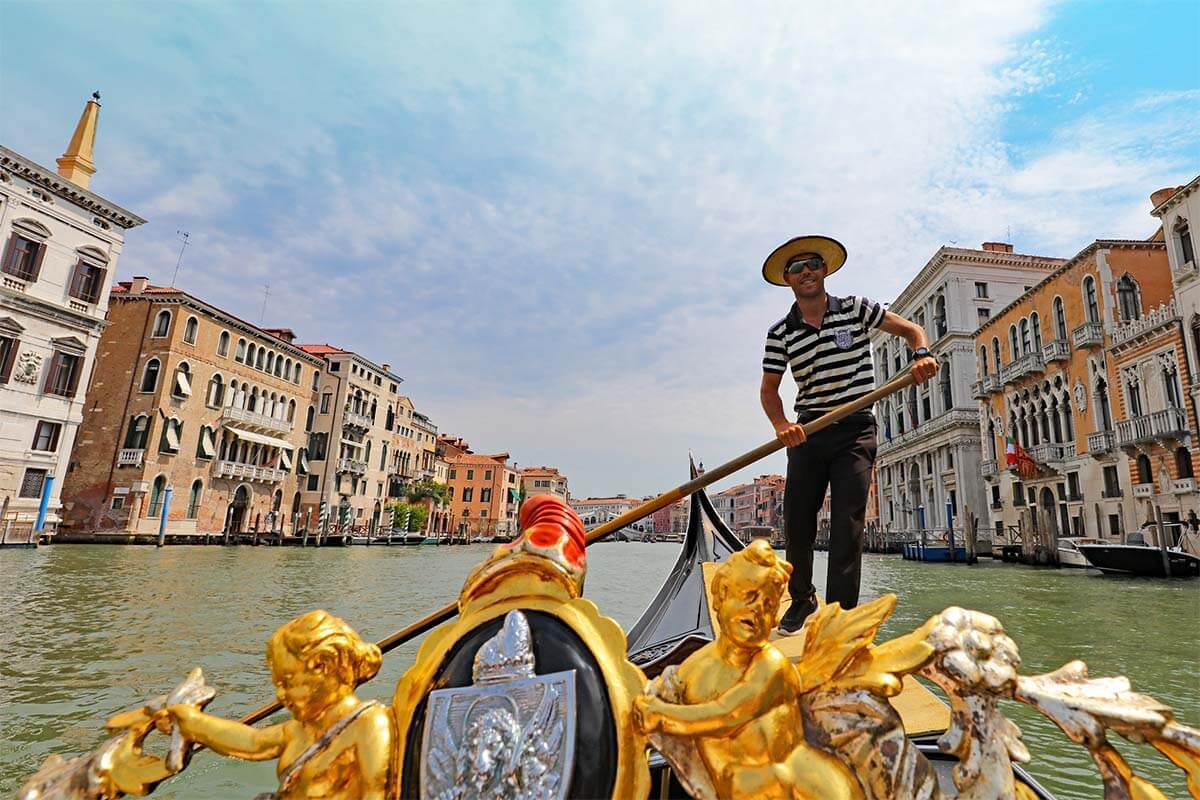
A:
[118,502]
[162,324]
[1112,481]
[1183,237]
[23,257]
[190,330]
[1089,299]
[470,474]
[468,494]
[984,314]
[996,353]
[138,433]
[1134,393]
[1025,343]
[206,443]
[223,344]
[45,438]
[485,495]
[336,366]
[194,499]
[1144,473]
[453,474]
[171,434]
[63,377]
[216,391]
[8,356]
[32,483]
[1060,320]
[1127,298]
[1018,490]
[1035,323]
[1073,486]
[87,281]
[1171,389]
[150,376]
[182,387]
[1013,349]
[312,483]
[483,513]
[316,380]
[240,354]
[981,290]
[947,394]
[487,475]
[1183,464]
[157,496]
[326,401]
[939,317]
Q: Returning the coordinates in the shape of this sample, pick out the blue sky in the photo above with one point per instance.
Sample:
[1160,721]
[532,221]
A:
[550,217]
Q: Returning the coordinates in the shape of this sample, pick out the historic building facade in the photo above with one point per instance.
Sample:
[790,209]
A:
[59,246]
[351,433]
[929,436]
[192,411]
[1048,379]
[544,480]
[484,495]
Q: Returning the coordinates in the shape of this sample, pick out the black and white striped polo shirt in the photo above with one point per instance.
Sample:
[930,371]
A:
[831,364]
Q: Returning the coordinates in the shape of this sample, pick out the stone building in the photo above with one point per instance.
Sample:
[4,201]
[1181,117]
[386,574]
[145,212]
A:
[1048,379]
[351,432]
[484,495]
[758,504]
[190,398]
[929,436]
[544,480]
[60,246]
[723,504]
[431,467]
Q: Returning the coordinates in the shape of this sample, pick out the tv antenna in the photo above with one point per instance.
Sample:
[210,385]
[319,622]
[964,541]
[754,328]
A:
[266,293]
[184,236]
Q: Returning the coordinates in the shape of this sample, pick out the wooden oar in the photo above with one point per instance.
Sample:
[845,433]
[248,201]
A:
[641,512]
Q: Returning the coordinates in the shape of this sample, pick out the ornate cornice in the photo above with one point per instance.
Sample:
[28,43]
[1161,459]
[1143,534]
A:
[51,180]
[954,255]
[51,312]
[1176,198]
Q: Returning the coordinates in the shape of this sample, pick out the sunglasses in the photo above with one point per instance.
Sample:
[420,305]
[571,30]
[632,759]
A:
[814,264]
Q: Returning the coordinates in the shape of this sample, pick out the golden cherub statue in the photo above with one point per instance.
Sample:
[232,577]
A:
[738,698]
[336,745]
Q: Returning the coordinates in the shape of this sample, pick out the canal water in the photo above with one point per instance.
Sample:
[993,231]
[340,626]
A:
[88,630]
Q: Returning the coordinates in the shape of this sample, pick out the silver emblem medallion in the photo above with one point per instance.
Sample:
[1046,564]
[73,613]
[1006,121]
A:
[511,736]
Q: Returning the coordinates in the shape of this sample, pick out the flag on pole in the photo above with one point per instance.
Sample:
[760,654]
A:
[1016,456]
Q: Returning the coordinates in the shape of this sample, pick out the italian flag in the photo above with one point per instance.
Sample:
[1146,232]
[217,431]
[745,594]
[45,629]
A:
[1010,451]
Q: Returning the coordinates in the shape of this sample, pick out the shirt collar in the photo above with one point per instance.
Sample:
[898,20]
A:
[833,306]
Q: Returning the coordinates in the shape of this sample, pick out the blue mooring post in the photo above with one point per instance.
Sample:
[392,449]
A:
[162,518]
[921,528]
[950,528]
[47,488]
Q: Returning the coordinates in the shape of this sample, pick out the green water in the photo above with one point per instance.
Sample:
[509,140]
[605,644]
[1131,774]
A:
[90,630]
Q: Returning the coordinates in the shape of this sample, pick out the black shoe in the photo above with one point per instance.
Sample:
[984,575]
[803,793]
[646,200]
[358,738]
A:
[793,619]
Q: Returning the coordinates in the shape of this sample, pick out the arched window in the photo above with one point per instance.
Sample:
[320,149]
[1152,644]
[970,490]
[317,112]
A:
[383,456]
[308,420]
[1183,240]
[1089,299]
[1035,323]
[1171,391]
[1025,344]
[887,420]
[1014,349]
[270,362]
[190,330]
[983,361]
[1133,394]
[1102,405]
[158,491]
[138,433]
[251,351]
[162,324]
[194,498]
[1196,338]
[251,398]
[260,359]
[278,371]
[240,354]
[216,391]
[1183,464]
[150,376]
[1068,425]
[1144,473]
[182,387]
[1060,320]
[287,369]
[291,411]
[992,439]
[939,317]
[223,344]
[996,353]
[1128,298]
[947,394]
[296,375]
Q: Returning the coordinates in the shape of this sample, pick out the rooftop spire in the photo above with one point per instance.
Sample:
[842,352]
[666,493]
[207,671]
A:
[76,163]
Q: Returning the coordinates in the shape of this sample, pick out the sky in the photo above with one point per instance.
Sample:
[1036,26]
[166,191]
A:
[550,217]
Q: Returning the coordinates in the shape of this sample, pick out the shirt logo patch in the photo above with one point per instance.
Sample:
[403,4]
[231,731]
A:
[842,339]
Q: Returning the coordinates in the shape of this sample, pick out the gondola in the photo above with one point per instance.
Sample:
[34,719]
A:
[677,622]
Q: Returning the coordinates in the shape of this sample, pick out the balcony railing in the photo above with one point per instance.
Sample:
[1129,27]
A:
[1089,334]
[1051,453]
[988,468]
[1143,490]
[1170,423]
[232,469]
[990,384]
[1100,442]
[353,420]
[1151,321]
[1057,350]
[1183,485]
[959,416]
[351,466]
[1028,364]
[253,419]
[130,458]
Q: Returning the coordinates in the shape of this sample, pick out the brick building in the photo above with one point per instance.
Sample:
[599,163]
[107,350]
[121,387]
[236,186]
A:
[59,246]
[187,396]
[484,494]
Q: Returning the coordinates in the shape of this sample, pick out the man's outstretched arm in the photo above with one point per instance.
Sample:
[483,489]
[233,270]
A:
[790,433]
[923,368]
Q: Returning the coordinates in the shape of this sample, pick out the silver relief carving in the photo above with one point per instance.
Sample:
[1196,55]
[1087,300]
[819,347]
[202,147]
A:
[510,736]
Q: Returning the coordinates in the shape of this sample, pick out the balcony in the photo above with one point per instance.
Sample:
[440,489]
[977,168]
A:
[250,472]
[1183,486]
[351,466]
[1168,424]
[255,420]
[351,419]
[1143,490]
[1099,443]
[130,458]
[1057,350]
[1089,334]
[1028,364]
[951,419]
[1052,454]
[1154,320]
[988,468]
[981,389]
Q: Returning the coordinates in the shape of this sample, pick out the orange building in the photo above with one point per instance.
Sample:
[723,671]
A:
[544,480]
[1048,380]
[484,494]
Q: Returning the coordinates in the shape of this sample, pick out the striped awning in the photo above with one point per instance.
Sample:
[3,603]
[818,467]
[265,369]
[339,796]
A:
[258,438]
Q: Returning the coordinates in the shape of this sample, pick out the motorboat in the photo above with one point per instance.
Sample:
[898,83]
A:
[1068,551]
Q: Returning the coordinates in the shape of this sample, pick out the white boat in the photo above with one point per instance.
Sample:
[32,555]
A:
[1068,551]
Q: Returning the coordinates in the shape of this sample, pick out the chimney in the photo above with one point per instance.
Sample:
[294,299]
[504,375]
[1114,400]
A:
[1162,196]
[998,247]
[387,367]
[138,284]
[76,163]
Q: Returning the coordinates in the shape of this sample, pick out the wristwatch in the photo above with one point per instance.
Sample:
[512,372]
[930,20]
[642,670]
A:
[921,352]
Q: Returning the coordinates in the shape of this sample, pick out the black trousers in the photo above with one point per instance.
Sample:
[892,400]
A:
[840,459]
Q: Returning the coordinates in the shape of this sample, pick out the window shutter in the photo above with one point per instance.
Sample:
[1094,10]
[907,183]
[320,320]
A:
[285,460]
[206,442]
[37,261]
[76,363]
[9,359]
[172,435]
[76,286]
[8,249]
[183,387]
[52,373]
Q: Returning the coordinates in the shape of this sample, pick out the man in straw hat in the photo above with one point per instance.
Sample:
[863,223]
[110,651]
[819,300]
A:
[823,340]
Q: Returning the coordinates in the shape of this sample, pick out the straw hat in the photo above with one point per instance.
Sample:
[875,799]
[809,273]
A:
[833,251]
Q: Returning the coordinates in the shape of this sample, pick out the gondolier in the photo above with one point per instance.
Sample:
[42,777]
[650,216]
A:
[824,341]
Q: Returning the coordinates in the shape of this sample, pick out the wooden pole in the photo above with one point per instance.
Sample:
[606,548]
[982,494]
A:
[449,611]
[1162,540]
